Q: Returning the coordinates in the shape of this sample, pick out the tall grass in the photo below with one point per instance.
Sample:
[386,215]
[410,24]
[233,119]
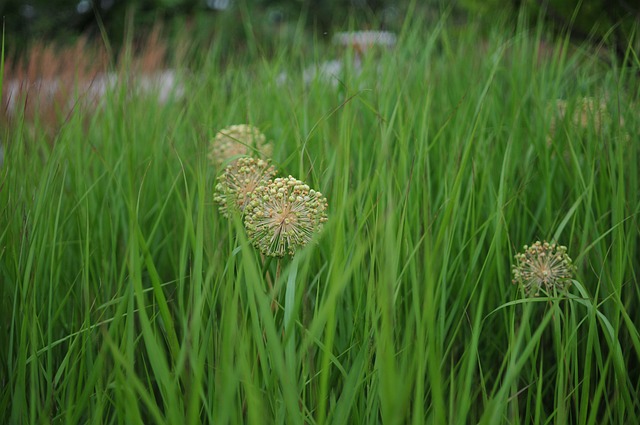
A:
[128,298]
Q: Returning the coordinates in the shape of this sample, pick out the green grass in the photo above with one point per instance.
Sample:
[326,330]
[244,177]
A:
[127,298]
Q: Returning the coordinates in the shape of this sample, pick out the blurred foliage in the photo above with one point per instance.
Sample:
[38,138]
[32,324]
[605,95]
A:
[611,22]
[65,19]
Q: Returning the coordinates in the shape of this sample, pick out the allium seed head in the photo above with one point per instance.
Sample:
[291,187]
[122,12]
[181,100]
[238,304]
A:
[587,111]
[238,181]
[543,266]
[283,215]
[238,140]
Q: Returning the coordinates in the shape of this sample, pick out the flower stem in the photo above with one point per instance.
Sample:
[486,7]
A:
[289,319]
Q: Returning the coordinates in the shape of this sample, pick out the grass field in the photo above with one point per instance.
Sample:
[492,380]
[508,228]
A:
[127,298]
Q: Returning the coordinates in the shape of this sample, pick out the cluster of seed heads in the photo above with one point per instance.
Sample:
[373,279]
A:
[543,266]
[280,215]
[283,215]
[238,140]
[238,180]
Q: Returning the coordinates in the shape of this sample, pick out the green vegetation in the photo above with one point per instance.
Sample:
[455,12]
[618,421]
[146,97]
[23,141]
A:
[127,298]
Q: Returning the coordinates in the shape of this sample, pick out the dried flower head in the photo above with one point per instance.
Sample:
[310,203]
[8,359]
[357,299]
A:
[238,181]
[543,266]
[238,140]
[588,111]
[283,215]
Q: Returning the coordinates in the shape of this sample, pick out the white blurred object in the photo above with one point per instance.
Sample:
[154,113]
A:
[166,85]
[44,91]
[327,72]
[364,40]
[282,79]
[218,4]
[102,84]
[333,71]
[92,92]
[12,90]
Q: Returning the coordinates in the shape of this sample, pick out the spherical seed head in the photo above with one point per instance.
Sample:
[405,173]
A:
[588,111]
[545,266]
[238,180]
[283,215]
[238,140]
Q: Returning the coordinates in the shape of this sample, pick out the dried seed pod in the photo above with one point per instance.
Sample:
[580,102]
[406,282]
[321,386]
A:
[283,215]
[238,140]
[238,181]
[543,266]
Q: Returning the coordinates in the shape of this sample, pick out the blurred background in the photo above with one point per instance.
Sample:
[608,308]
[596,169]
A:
[602,21]
[57,49]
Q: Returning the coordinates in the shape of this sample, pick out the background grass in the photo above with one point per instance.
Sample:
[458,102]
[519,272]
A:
[127,297]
